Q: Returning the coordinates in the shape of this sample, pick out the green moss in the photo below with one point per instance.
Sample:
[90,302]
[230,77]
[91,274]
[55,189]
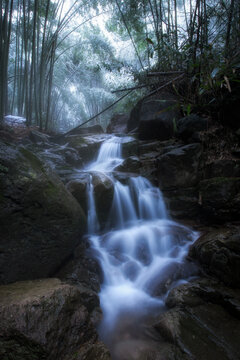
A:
[77,141]
[51,190]
[33,159]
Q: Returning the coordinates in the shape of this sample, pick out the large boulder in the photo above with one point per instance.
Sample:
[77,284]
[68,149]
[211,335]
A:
[63,160]
[154,118]
[179,167]
[118,124]
[219,253]
[41,222]
[129,146]
[189,127]
[103,194]
[103,190]
[53,317]
[202,322]
[78,188]
[220,198]
[131,164]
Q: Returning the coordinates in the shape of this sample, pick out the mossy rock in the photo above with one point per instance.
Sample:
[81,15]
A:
[45,319]
[41,222]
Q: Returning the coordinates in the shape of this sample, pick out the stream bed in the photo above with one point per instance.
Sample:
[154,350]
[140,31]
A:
[142,254]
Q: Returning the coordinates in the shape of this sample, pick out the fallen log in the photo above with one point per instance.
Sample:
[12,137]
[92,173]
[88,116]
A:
[93,117]
[161,73]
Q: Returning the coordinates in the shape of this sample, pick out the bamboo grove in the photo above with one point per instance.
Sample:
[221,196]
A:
[200,37]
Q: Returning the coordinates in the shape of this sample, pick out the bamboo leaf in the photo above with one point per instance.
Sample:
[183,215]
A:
[214,72]
[149,41]
[227,83]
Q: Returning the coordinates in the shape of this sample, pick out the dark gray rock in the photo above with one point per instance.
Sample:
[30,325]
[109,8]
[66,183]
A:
[189,126]
[131,164]
[154,118]
[49,314]
[200,322]
[96,351]
[183,203]
[103,194]
[78,188]
[220,199]
[222,168]
[38,137]
[14,345]
[219,253]
[180,167]
[41,222]
[118,124]
[130,147]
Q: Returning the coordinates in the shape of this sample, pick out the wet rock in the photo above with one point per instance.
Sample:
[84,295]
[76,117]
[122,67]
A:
[203,321]
[184,295]
[205,290]
[141,349]
[218,251]
[189,126]
[154,118]
[222,168]
[220,199]
[78,188]
[148,167]
[103,194]
[118,124]
[96,351]
[180,167]
[83,270]
[47,313]
[123,177]
[70,155]
[41,222]
[129,147]
[38,137]
[86,145]
[149,147]
[95,129]
[183,203]
[131,164]
[197,333]
[14,345]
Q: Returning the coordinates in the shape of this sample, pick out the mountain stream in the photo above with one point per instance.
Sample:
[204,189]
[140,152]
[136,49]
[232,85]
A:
[142,255]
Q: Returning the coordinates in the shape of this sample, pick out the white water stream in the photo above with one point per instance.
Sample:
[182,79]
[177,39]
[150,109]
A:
[141,253]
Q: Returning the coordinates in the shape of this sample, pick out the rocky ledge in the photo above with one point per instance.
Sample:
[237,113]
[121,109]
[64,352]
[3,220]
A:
[48,319]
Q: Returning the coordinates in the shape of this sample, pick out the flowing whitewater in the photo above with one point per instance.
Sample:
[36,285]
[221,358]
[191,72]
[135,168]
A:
[142,254]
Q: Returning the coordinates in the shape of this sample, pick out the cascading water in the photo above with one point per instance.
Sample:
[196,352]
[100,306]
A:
[141,253]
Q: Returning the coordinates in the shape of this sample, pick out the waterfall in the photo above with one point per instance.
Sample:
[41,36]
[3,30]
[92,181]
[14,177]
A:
[93,225]
[141,252]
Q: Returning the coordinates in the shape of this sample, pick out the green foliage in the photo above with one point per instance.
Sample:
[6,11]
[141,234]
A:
[186,109]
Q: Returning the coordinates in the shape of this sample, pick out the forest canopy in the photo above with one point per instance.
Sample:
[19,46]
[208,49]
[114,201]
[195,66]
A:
[61,60]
